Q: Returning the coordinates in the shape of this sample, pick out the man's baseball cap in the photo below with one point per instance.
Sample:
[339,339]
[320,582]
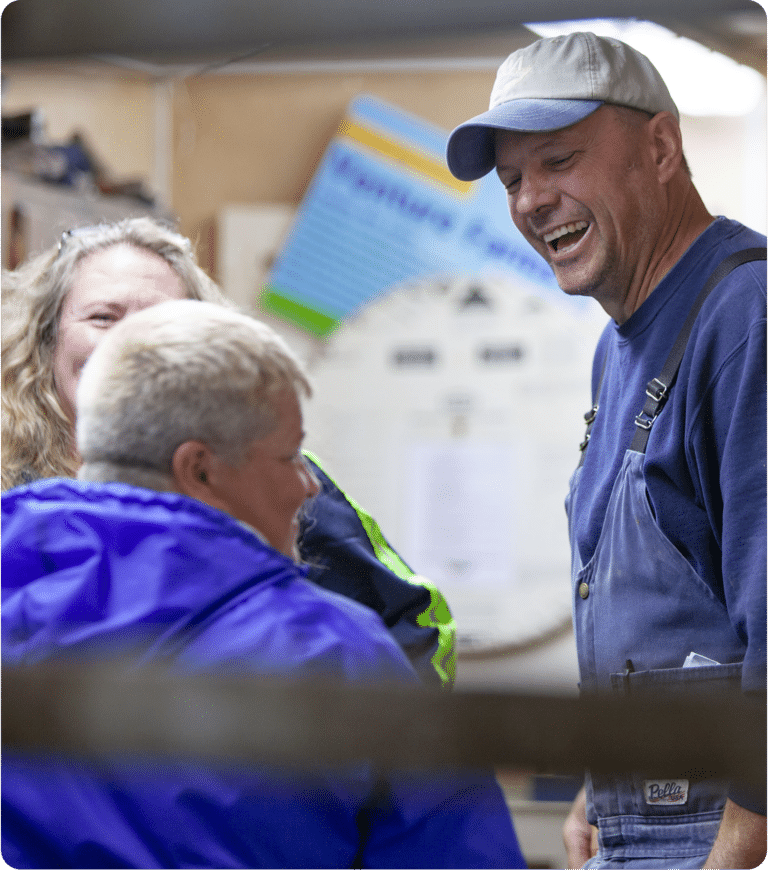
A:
[551,84]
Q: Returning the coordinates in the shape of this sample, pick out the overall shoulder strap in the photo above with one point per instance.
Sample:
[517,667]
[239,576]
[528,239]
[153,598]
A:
[657,390]
[590,416]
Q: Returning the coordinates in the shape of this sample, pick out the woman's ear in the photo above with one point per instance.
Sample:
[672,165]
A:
[191,467]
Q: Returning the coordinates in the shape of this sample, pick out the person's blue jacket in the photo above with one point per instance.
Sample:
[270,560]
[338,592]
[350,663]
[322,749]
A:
[345,551]
[97,570]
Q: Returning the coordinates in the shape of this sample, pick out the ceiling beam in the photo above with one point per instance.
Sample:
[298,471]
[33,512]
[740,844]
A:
[48,29]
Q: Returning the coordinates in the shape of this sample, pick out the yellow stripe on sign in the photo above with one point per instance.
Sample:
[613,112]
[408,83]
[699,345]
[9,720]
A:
[414,160]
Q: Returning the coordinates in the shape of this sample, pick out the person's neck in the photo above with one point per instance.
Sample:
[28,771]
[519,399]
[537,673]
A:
[686,219]
[104,471]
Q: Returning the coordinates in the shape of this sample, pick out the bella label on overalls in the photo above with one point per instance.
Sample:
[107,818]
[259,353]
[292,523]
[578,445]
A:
[665,792]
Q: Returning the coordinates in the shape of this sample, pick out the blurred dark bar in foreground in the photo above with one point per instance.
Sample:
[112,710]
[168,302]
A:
[96,710]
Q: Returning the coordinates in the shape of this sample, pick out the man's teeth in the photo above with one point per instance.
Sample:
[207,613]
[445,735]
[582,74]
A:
[564,230]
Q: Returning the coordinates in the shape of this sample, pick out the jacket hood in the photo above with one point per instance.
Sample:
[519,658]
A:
[70,552]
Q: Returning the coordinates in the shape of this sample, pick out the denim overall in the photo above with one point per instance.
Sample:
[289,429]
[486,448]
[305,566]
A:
[639,609]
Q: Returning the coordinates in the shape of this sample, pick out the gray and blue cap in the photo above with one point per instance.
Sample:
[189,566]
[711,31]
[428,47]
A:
[554,83]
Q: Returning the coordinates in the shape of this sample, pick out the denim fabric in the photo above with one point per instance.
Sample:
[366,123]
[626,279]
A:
[645,604]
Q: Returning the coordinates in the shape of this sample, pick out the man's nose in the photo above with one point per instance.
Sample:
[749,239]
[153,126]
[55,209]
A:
[535,192]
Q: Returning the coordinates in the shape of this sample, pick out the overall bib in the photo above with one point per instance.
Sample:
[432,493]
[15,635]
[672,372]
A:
[639,610]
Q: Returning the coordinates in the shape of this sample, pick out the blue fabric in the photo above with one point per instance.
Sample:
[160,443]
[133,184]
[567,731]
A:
[705,460]
[107,569]
[636,842]
[672,543]
[341,558]
[633,560]
[471,148]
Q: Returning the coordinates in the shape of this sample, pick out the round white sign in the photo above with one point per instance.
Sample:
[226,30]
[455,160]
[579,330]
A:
[452,410]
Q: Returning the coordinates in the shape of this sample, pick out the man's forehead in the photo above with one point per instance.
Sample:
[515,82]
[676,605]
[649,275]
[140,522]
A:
[508,142]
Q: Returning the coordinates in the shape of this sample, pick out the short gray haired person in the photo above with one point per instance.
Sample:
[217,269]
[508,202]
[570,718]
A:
[183,554]
[196,371]
[666,514]
[176,399]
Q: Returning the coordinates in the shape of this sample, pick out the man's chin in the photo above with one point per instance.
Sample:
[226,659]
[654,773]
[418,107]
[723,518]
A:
[576,281]
[572,288]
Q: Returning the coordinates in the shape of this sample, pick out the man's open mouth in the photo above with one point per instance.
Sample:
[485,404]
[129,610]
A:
[567,235]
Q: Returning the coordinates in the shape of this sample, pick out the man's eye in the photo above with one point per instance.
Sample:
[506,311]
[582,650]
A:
[512,184]
[560,161]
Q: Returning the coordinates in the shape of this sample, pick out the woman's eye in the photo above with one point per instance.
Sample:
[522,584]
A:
[103,317]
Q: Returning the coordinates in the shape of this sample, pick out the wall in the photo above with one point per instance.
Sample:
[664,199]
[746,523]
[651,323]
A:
[114,110]
[202,142]
[258,138]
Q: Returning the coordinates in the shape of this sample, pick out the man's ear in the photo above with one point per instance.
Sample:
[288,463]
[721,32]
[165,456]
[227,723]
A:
[667,143]
[191,468]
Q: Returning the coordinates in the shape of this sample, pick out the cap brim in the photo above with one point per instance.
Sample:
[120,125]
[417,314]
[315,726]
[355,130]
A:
[471,151]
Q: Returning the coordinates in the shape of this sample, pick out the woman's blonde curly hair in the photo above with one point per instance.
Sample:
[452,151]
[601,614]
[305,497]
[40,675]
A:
[37,436]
